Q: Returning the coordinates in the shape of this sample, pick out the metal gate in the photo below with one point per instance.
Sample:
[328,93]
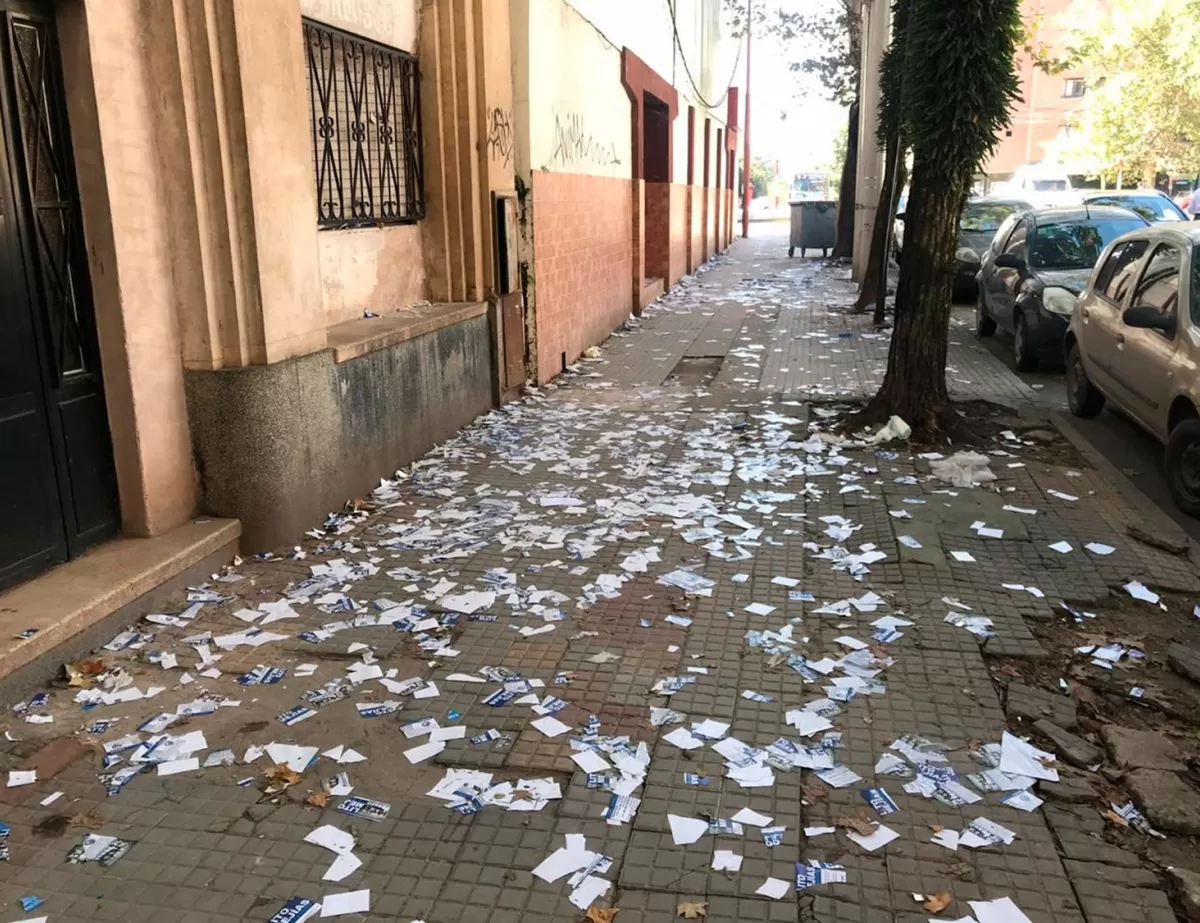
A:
[58,491]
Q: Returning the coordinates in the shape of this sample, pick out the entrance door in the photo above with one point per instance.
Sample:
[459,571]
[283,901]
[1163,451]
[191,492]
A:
[57,482]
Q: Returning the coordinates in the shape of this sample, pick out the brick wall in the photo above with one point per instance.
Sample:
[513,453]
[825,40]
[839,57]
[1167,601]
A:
[658,230]
[711,195]
[679,233]
[583,262]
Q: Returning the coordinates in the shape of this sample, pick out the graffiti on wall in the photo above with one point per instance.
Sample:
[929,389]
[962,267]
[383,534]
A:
[574,145]
[500,135]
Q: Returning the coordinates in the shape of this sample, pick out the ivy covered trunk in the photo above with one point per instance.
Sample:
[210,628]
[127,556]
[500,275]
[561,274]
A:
[914,387]
[947,80]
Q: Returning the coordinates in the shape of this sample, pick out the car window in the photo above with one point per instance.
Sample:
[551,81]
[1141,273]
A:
[1159,285]
[1049,185]
[981,217]
[1015,244]
[1151,207]
[1195,305]
[1076,244]
[1119,270]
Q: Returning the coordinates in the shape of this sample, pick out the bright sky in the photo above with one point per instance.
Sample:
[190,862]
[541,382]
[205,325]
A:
[803,141]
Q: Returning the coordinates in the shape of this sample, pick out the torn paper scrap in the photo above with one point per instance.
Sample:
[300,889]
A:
[686,830]
[774,888]
[338,905]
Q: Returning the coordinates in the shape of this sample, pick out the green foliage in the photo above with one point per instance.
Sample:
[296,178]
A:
[959,83]
[1142,108]
[829,32]
[891,74]
[762,171]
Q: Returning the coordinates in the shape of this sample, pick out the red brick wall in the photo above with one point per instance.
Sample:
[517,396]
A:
[582,264]
[712,195]
[658,230]
[679,233]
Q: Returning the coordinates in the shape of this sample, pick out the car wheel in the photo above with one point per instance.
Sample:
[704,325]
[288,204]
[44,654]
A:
[984,325]
[1023,355]
[1084,398]
[1183,466]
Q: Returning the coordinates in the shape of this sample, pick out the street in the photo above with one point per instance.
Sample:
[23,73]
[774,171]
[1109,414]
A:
[666,638]
[1131,449]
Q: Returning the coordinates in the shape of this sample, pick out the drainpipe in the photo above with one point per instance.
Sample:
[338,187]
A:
[747,185]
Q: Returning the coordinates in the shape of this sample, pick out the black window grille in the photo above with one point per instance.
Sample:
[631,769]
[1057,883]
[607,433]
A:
[366,130]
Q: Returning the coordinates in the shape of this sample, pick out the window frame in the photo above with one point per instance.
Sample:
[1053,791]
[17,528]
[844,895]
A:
[365,123]
[1120,245]
[1181,267]
[1070,83]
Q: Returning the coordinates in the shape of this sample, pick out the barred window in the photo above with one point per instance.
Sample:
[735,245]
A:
[366,130]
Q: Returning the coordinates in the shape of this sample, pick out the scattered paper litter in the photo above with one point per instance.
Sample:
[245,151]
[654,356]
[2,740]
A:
[1017,757]
[1001,910]
[550,726]
[725,860]
[686,830]
[774,888]
[338,905]
[753,818]
[1139,590]
[876,840]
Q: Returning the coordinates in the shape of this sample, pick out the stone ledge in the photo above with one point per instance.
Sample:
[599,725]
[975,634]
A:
[68,600]
[368,334]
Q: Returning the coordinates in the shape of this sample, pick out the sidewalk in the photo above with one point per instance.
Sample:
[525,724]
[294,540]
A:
[685,446]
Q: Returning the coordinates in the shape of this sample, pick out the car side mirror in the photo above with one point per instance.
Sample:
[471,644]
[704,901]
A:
[1147,318]
[1010,261]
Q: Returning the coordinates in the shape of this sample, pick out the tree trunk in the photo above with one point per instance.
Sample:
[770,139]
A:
[894,175]
[914,387]
[900,169]
[844,246]
[1148,175]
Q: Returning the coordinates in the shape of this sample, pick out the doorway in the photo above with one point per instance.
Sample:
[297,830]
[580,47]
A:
[657,167]
[58,490]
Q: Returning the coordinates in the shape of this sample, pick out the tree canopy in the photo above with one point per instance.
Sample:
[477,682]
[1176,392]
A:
[828,32]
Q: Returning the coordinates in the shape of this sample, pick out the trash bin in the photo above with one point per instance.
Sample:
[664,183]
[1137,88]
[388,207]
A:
[814,226]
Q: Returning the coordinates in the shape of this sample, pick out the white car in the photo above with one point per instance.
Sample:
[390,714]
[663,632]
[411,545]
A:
[1041,186]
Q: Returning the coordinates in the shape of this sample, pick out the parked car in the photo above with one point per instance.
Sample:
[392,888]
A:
[1151,204]
[1044,186]
[1131,343]
[980,220]
[977,225]
[1036,265]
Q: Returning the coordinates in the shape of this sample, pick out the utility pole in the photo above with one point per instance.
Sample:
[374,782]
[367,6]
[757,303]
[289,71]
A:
[747,185]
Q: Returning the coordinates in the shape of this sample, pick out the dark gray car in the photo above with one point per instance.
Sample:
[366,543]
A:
[976,227]
[1036,266]
[980,221]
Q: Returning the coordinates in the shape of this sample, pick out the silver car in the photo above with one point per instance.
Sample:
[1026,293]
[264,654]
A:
[1134,339]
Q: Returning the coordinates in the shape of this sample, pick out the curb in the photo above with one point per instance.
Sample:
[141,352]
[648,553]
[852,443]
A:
[1155,518]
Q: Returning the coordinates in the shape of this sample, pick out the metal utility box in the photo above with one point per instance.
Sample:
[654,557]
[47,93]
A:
[814,226]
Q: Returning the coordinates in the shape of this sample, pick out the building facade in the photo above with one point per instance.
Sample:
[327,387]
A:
[1048,102]
[268,251]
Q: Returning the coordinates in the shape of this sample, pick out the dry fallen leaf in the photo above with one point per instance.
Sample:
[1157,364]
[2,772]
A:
[1114,818]
[938,902]
[81,672]
[601,914]
[936,828]
[692,910]
[90,819]
[859,823]
[318,799]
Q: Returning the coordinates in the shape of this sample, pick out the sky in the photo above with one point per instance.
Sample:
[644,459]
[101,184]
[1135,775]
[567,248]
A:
[790,119]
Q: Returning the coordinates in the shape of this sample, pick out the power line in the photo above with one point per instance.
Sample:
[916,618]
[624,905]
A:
[687,70]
